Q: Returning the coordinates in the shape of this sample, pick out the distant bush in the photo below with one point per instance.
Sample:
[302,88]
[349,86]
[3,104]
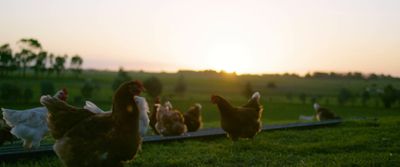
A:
[153,86]
[181,87]
[10,92]
[47,88]
[87,89]
[314,99]
[389,96]
[303,98]
[344,96]
[271,85]
[122,76]
[248,90]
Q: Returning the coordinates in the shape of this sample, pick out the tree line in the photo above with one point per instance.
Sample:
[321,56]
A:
[32,56]
[388,95]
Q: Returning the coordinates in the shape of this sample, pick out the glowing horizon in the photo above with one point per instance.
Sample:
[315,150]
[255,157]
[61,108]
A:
[242,36]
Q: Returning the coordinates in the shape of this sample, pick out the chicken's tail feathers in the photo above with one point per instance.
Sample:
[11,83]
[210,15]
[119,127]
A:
[92,107]
[11,117]
[3,110]
[256,95]
[52,103]
[316,106]
[8,113]
[157,105]
[46,100]
[168,104]
[198,105]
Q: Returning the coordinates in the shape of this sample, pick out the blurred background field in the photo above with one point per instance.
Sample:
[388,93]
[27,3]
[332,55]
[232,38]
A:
[284,97]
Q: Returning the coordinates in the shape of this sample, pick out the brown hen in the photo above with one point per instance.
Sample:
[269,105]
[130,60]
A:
[193,118]
[84,138]
[240,122]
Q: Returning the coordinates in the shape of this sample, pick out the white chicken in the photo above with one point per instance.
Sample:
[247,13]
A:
[30,125]
[143,112]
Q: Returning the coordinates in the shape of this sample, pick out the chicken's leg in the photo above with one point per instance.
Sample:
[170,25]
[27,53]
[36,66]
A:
[27,144]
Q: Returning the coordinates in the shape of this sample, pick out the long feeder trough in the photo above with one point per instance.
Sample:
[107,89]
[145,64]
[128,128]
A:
[10,152]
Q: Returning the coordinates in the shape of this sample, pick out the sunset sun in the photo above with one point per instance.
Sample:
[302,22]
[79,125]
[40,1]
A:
[230,56]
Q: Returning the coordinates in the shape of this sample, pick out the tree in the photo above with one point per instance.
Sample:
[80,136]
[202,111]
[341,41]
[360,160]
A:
[29,50]
[122,76]
[344,96]
[181,87]
[248,90]
[153,86]
[59,65]
[40,65]
[50,68]
[373,76]
[6,59]
[389,96]
[76,65]
[315,98]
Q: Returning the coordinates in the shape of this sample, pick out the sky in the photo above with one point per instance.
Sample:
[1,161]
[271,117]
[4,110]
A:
[246,36]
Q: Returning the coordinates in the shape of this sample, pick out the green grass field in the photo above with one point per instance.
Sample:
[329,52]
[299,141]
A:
[352,143]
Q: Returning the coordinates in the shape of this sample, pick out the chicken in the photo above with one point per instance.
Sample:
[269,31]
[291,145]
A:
[143,115]
[153,115]
[193,119]
[323,113]
[30,125]
[240,122]
[170,122]
[87,139]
